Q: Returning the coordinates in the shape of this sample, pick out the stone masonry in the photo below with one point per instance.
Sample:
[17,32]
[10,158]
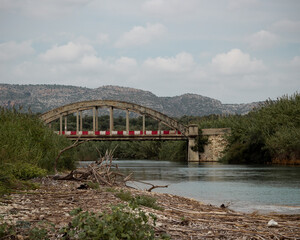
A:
[216,144]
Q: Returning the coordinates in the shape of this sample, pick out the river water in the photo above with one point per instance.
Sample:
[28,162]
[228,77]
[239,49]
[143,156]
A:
[245,188]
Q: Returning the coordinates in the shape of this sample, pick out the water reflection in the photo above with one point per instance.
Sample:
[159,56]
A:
[247,187]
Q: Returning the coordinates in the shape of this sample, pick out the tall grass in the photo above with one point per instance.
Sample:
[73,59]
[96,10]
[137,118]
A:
[272,131]
[28,148]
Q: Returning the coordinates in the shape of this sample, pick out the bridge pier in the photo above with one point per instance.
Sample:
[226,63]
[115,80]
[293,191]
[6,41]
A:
[111,120]
[193,156]
[77,121]
[127,121]
[66,123]
[81,123]
[60,124]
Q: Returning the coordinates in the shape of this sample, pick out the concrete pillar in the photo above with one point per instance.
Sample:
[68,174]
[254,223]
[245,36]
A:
[77,122]
[97,123]
[144,124]
[159,128]
[66,123]
[60,124]
[94,119]
[111,120]
[193,156]
[127,121]
[80,120]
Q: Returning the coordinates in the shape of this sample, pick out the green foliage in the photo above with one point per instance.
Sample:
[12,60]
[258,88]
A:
[147,201]
[28,148]
[139,200]
[23,228]
[271,131]
[125,196]
[38,234]
[27,171]
[173,151]
[110,189]
[122,222]
[168,150]
[6,230]
[201,141]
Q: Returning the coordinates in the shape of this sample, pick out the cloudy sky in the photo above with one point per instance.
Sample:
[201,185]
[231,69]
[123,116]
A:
[232,50]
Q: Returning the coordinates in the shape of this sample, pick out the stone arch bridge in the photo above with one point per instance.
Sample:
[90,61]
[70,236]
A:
[178,132]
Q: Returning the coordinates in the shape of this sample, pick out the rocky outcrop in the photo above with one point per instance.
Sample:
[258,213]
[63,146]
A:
[41,98]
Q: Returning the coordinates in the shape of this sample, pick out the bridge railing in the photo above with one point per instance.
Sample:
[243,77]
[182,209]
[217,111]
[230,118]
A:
[120,133]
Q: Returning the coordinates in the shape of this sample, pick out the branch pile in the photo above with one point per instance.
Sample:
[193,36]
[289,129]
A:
[103,171]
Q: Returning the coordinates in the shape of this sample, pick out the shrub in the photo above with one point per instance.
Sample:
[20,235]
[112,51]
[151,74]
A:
[122,223]
[139,200]
[147,201]
[28,148]
[125,196]
[271,131]
[27,171]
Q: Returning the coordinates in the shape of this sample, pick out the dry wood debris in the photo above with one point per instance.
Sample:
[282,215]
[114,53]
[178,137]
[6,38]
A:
[103,172]
[182,218]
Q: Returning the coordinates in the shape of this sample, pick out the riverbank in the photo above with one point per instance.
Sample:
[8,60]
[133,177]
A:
[182,218]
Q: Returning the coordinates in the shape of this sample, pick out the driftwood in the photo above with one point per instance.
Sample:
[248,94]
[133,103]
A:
[75,144]
[103,172]
[152,186]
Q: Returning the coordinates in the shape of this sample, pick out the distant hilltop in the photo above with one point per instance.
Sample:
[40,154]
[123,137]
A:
[41,98]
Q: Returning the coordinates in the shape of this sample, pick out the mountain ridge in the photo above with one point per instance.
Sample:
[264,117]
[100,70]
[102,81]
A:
[44,97]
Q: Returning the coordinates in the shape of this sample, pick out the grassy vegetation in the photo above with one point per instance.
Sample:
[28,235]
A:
[269,132]
[123,222]
[28,149]
[168,150]
[139,200]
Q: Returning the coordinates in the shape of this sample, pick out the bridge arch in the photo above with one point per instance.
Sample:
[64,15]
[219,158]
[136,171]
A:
[56,113]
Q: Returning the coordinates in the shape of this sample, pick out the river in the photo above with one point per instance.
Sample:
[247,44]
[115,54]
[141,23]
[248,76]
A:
[245,188]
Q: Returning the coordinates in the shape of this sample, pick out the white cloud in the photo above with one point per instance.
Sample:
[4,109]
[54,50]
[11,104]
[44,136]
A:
[91,62]
[139,35]
[262,40]
[236,62]
[12,50]
[69,52]
[242,4]
[287,26]
[171,7]
[102,38]
[125,64]
[296,62]
[43,8]
[182,62]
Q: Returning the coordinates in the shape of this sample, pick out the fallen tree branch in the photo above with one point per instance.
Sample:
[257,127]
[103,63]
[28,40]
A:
[75,144]
[152,185]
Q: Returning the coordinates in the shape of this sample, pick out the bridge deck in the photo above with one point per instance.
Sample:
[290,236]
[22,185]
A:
[124,135]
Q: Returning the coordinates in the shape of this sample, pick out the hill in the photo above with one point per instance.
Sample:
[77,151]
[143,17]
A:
[41,98]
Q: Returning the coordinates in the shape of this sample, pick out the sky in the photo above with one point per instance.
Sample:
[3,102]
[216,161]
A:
[236,51]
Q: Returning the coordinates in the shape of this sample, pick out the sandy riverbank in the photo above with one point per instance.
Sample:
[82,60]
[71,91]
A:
[182,218]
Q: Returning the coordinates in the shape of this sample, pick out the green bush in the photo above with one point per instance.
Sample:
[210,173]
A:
[147,201]
[28,148]
[27,171]
[139,200]
[122,222]
[271,131]
[125,196]
[6,230]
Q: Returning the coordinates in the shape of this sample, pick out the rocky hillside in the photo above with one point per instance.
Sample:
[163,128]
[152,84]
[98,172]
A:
[41,98]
